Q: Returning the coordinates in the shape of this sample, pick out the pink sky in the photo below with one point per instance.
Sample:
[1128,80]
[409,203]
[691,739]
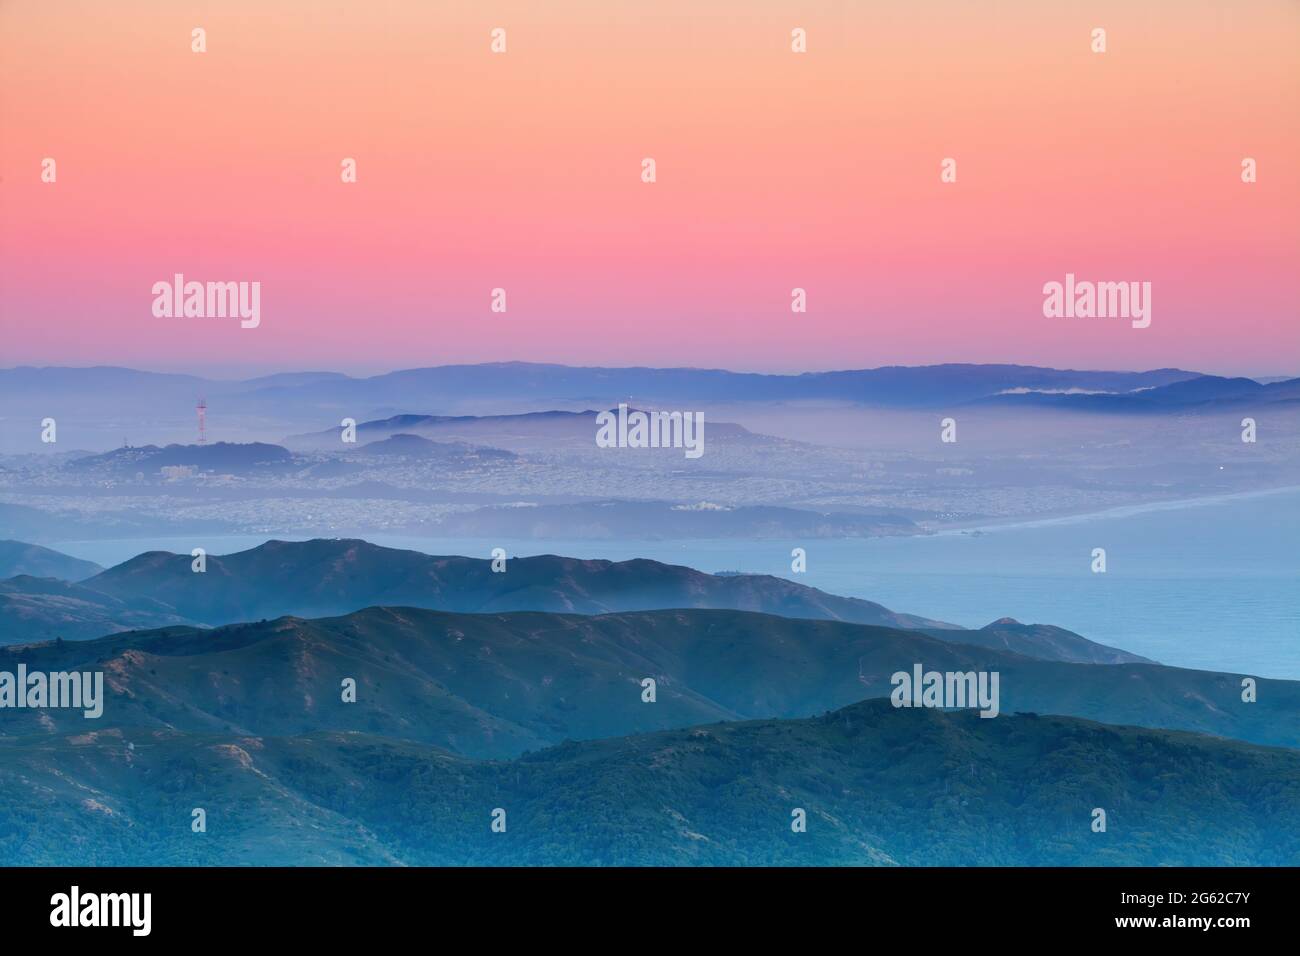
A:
[775,170]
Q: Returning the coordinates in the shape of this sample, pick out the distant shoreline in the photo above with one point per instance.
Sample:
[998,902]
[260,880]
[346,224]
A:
[95,549]
[1119,511]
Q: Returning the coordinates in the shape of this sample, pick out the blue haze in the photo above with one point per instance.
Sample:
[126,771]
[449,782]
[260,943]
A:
[1212,584]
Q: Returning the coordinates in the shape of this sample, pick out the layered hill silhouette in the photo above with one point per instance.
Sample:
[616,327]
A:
[228,457]
[403,445]
[925,386]
[878,785]
[1204,392]
[495,685]
[47,609]
[526,430]
[334,576]
[1044,641]
[326,577]
[18,557]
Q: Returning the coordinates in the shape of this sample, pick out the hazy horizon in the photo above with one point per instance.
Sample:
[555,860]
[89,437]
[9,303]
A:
[251,371]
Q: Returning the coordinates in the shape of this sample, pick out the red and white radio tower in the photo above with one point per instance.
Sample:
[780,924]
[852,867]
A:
[202,409]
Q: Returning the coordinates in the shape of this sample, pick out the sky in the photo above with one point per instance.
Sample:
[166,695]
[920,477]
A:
[775,170]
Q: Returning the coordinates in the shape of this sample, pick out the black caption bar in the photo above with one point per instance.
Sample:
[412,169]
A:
[336,905]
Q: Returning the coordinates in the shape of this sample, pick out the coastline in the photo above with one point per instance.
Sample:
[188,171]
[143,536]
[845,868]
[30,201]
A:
[1119,511]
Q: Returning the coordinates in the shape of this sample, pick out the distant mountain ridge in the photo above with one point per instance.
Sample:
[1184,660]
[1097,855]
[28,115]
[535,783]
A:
[18,557]
[897,386]
[1202,392]
[47,609]
[297,404]
[921,386]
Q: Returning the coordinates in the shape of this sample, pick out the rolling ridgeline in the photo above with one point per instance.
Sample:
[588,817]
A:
[880,786]
[476,705]
[326,577]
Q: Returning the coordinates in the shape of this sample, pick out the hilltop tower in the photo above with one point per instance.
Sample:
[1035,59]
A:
[202,409]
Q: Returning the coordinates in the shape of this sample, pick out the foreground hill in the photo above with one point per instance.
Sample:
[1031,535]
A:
[494,685]
[880,786]
[335,576]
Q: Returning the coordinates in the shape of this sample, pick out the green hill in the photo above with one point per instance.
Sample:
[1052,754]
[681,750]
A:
[493,685]
[879,785]
[336,576]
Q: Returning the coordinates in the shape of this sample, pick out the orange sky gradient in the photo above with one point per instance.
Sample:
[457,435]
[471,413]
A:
[775,170]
